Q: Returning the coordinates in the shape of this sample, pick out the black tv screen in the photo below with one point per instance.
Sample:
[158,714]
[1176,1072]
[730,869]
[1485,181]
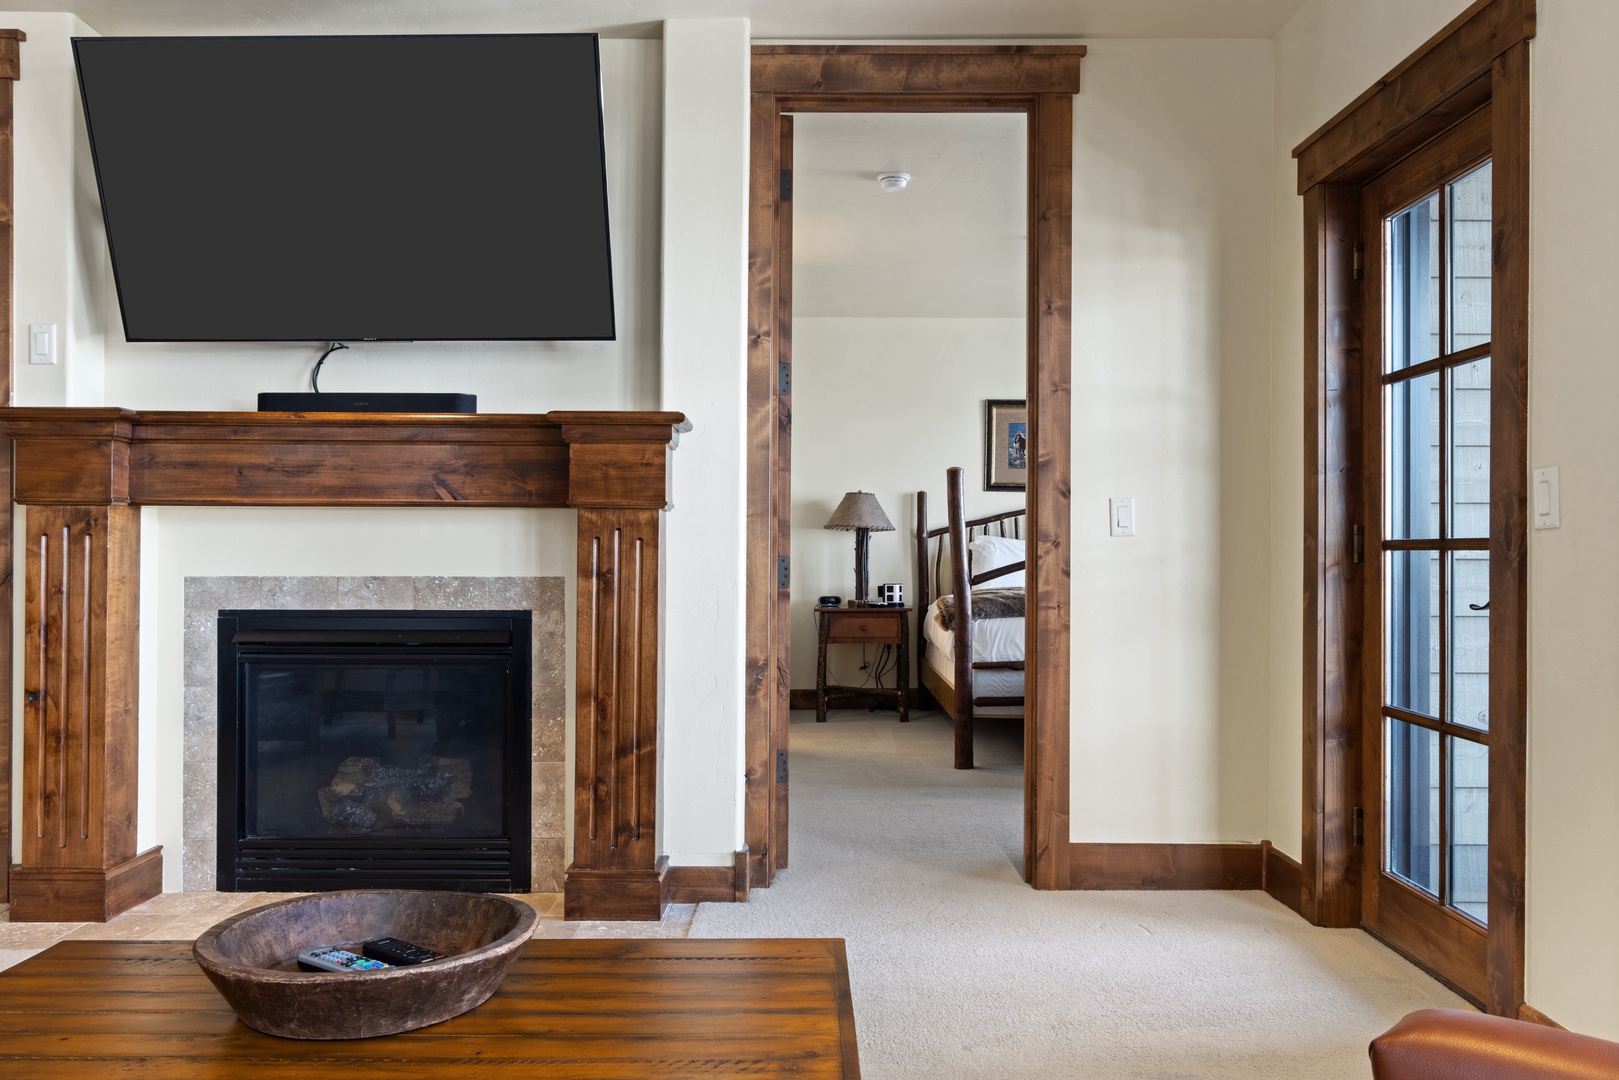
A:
[352,188]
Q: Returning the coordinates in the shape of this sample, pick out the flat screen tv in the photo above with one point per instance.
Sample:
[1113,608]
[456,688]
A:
[352,188]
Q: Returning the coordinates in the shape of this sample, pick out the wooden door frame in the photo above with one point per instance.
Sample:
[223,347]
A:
[1039,81]
[1481,57]
[10,71]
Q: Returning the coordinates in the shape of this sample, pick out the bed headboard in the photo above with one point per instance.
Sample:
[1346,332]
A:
[931,545]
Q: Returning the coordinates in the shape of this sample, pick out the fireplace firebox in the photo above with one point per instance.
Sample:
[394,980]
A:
[374,749]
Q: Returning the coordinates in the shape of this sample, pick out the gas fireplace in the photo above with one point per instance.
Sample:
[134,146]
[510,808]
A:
[374,749]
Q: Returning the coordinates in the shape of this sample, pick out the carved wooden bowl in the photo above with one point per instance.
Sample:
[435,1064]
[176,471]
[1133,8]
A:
[252,959]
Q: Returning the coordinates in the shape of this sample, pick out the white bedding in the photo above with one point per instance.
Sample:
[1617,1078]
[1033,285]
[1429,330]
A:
[992,639]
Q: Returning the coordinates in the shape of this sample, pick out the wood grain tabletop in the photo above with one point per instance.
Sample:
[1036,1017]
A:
[587,1009]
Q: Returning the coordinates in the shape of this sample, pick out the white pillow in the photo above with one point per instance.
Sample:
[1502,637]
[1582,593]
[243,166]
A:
[989,552]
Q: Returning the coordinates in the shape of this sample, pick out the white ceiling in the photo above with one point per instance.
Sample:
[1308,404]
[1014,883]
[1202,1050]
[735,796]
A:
[951,245]
[772,19]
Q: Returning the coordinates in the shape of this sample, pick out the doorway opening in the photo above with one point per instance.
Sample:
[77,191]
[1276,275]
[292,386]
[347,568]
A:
[1038,83]
[905,270]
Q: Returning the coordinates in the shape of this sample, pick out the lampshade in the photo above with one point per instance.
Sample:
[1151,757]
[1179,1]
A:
[860,510]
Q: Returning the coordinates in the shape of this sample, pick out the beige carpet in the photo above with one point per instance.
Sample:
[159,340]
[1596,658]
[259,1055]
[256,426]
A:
[960,970]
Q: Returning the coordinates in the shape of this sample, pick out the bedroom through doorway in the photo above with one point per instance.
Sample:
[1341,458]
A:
[906,298]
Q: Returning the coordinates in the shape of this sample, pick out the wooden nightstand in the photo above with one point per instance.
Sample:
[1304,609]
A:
[865,625]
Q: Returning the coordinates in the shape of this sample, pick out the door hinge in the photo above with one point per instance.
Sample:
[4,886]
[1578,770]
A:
[1359,826]
[784,378]
[783,572]
[1357,265]
[786,185]
[781,766]
[1357,544]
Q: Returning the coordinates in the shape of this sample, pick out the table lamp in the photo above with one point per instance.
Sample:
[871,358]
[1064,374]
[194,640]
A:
[861,512]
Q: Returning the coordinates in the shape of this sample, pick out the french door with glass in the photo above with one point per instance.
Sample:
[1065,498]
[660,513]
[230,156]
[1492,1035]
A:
[1426,731]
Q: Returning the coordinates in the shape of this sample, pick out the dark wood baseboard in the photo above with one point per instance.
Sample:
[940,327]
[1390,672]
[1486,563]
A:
[616,895]
[702,884]
[75,894]
[1533,1015]
[1165,866]
[1283,878]
[710,884]
[800,700]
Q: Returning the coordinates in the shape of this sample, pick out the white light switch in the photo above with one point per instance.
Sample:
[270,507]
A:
[42,343]
[1121,516]
[1548,507]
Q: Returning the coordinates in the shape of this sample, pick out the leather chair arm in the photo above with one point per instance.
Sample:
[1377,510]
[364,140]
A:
[1449,1044]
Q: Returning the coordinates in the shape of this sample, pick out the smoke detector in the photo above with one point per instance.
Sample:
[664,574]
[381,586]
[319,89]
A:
[894,181]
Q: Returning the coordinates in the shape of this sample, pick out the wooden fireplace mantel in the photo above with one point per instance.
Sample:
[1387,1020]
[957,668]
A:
[86,472]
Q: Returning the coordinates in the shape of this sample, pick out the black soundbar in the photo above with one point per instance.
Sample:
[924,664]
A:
[337,401]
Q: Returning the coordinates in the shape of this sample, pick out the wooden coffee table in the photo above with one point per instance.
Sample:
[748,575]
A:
[597,1009]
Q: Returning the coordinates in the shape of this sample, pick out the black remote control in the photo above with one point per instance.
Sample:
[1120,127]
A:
[401,953]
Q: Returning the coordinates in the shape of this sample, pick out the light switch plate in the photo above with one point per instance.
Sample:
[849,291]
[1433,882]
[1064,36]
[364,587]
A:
[1121,516]
[42,343]
[1544,498]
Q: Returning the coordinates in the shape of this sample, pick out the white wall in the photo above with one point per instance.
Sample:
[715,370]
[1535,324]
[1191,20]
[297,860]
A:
[59,242]
[1170,362]
[885,406]
[1330,52]
[705,173]
[1573,938]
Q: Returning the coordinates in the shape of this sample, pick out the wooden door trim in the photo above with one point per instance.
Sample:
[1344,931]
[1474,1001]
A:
[1330,885]
[1039,80]
[10,71]
[1482,56]
[1443,80]
[1509,529]
[783,480]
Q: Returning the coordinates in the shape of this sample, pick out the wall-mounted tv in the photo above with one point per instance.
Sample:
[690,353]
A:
[394,188]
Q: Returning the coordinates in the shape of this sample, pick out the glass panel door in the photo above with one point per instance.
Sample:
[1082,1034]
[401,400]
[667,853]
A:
[1428,716]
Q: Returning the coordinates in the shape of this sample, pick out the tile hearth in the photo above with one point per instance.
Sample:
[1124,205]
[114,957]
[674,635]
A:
[183,916]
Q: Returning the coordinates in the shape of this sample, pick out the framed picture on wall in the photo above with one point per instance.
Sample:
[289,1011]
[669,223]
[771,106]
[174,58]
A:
[1006,445]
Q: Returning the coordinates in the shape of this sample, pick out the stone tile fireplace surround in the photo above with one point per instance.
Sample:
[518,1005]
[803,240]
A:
[205,597]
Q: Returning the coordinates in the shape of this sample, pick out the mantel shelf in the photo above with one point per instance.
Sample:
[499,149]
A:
[111,456]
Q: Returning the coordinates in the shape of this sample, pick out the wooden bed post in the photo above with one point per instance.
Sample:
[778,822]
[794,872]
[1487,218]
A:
[955,502]
[923,597]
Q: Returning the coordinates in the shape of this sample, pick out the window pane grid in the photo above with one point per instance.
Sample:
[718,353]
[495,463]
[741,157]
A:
[1436,540]
[1461,731]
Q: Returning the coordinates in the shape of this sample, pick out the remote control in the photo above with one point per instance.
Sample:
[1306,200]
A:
[329,958]
[401,953]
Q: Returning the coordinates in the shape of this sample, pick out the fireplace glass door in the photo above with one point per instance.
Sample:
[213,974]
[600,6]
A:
[375,750]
